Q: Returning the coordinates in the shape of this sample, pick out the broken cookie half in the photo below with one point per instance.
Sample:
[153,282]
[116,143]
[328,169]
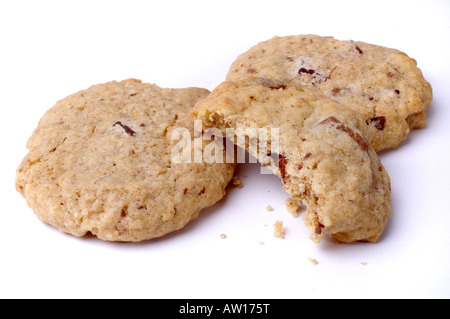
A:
[323,153]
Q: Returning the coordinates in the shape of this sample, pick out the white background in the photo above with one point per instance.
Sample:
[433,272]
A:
[50,49]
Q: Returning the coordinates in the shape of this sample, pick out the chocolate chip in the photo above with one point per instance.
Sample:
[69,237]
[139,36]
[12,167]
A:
[397,91]
[378,122]
[123,212]
[127,130]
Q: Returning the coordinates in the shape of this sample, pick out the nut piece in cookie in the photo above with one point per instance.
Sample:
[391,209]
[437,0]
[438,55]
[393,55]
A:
[384,85]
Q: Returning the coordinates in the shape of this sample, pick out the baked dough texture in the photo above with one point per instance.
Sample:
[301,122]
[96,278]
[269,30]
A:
[99,161]
[383,84]
[325,159]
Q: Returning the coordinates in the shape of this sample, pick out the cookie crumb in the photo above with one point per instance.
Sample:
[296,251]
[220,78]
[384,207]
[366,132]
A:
[363,263]
[278,231]
[269,208]
[313,261]
[236,181]
[261,243]
[223,236]
[293,207]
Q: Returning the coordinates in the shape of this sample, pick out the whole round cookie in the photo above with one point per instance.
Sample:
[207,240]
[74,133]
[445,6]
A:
[383,84]
[323,155]
[100,161]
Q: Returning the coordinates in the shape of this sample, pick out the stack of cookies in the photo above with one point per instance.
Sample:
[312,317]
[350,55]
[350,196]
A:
[105,161]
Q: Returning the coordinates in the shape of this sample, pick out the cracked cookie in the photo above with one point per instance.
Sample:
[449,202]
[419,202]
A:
[324,155]
[99,161]
[383,84]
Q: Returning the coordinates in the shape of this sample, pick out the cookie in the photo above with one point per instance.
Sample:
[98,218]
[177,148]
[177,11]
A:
[100,162]
[383,84]
[324,157]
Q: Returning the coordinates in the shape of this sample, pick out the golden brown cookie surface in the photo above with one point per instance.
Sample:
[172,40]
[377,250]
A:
[384,85]
[100,161]
[324,155]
